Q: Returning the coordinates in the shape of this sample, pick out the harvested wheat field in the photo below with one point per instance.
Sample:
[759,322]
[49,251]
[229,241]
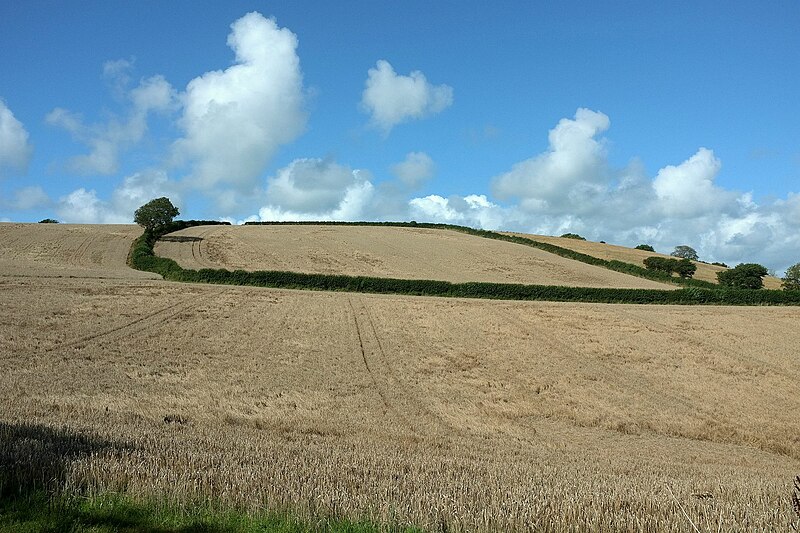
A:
[450,414]
[391,252]
[68,250]
[610,252]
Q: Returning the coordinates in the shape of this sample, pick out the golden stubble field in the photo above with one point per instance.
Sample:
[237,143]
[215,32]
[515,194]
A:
[393,252]
[705,271]
[450,414]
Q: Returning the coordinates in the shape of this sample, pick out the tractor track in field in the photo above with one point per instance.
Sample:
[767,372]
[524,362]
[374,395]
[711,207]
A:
[396,395]
[369,343]
[143,323]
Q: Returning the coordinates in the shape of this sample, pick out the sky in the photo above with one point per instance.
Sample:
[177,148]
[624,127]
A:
[669,123]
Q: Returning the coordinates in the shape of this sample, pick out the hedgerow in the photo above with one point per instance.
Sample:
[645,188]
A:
[142,257]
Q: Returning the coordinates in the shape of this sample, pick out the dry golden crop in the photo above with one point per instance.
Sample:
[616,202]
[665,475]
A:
[465,415]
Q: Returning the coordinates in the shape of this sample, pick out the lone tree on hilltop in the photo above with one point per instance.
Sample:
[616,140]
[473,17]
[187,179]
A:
[685,252]
[646,248]
[743,276]
[572,236]
[155,213]
[791,282]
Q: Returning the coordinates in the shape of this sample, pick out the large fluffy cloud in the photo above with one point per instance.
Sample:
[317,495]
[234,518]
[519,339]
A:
[86,207]
[317,189]
[235,119]
[15,149]
[107,141]
[415,169]
[391,99]
[572,187]
[574,162]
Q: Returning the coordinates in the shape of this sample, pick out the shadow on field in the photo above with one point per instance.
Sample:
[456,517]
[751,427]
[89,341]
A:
[179,238]
[35,461]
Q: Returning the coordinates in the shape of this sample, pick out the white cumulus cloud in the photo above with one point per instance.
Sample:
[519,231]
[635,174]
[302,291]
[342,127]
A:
[572,187]
[235,119]
[471,210]
[415,169]
[107,141]
[317,189]
[84,206]
[687,190]
[575,162]
[15,149]
[391,99]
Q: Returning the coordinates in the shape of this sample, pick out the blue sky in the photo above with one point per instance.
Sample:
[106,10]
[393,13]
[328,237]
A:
[622,121]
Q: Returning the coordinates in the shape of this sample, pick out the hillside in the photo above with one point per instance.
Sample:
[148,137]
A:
[393,252]
[68,250]
[705,271]
[447,413]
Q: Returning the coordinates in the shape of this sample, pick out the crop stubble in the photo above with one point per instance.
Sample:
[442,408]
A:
[393,252]
[477,415]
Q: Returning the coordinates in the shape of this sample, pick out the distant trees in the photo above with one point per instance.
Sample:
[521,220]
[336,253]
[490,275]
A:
[155,213]
[791,282]
[48,221]
[743,276]
[685,252]
[683,267]
[572,236]
[646,248]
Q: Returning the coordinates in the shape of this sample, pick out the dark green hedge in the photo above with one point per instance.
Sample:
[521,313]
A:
[143,258]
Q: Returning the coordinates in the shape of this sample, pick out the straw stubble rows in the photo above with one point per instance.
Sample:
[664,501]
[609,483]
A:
[484,415]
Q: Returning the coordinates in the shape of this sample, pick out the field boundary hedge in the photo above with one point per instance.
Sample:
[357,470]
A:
[142,257]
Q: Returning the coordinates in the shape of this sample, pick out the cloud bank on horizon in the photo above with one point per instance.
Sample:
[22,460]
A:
[231,123]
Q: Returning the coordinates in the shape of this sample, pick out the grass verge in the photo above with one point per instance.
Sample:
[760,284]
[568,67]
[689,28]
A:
[39,512]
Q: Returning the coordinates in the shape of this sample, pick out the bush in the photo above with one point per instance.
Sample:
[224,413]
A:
[572,236]
[715,263]
[48,221]
[645,247]
[791,282]
[743,276]
[685,268]
[660,264]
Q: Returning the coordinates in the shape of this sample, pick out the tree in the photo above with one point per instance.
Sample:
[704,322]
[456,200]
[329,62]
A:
[572,236]
[791,282]
[661,264]
[646,248]
[685,268]
[48,221]
[685,252]
[743,276]
[155,213]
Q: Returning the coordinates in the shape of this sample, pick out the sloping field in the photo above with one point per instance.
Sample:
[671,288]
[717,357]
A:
[705,272]
[408,253]
[68,250]
[451,414]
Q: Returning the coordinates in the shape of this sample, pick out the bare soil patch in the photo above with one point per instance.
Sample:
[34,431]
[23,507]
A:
[407,253]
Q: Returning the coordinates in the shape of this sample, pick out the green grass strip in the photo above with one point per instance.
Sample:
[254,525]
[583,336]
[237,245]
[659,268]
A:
[142,257]
[39,512]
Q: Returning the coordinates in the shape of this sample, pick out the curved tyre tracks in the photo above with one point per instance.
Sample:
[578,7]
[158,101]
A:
[395,395]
